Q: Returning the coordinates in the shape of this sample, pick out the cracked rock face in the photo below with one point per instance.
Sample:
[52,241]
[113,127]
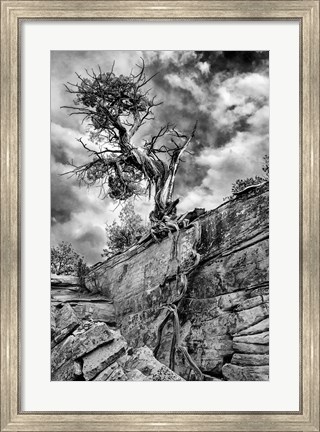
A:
[223,313]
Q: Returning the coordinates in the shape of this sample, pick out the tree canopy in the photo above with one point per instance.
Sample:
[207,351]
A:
[115,108]
[64,259]
[124,234]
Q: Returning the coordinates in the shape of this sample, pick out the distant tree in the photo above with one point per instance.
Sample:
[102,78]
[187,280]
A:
[115,108]
[82,270]
[265,167]
[124,234]
[64,259]
[241,184]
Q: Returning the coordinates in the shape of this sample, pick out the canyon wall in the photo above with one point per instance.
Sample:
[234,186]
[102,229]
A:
[215,272]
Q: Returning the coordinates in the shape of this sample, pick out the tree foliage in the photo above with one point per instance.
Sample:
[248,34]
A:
[124,234]
[241,184]
[115,108]
[64,259]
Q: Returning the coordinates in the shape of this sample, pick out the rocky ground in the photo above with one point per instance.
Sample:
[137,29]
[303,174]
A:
[87,346]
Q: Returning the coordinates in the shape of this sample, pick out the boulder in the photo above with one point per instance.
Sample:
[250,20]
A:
[102,357]
[61,353]
[98,334]
[233,372]
[250,359]
[81,342]
[66,322]
[144,360]
[116,372]
[106,373]
[69,371]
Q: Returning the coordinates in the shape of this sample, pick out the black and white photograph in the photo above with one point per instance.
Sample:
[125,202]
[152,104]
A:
[159,215]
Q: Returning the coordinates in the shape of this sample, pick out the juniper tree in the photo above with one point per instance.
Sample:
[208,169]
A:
[115,108]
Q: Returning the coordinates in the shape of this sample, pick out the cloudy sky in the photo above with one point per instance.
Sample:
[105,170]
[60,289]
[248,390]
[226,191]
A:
[226,92]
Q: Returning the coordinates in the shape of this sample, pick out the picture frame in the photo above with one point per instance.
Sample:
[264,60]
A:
[12,14]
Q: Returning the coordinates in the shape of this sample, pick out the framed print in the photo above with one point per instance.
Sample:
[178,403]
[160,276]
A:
[161,161]
[163,286]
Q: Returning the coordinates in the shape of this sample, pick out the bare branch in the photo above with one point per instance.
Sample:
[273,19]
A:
[115,108]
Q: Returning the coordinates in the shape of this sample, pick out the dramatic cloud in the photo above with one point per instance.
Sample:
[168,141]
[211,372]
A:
[240,158]
[227,93]
[204,67]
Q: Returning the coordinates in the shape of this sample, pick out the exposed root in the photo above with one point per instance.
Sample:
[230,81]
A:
[159,333]
[181,278]
[192,364]
[175,343]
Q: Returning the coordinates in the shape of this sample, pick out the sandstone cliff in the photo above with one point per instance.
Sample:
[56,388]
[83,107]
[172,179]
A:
[212,276]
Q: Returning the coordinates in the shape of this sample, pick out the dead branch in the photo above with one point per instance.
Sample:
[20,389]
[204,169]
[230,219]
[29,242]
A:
[116,107]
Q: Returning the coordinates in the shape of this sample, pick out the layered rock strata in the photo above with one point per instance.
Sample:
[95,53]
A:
[216,272]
